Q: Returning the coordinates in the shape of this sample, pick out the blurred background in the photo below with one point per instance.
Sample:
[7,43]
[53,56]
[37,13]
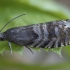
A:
[37,11]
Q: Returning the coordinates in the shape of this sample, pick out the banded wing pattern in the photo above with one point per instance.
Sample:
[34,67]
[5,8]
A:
[52,34]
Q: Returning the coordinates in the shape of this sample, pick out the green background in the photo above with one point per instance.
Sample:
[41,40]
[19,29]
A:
[37,11]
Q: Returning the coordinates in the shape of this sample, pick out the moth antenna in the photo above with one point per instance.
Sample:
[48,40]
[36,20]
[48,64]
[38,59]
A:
[11,21]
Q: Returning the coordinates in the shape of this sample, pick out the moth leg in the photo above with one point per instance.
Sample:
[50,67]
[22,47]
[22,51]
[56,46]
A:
[10,47]
[29,49]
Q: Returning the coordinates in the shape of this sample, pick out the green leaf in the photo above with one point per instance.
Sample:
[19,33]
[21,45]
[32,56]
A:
[46,49]
[57,51]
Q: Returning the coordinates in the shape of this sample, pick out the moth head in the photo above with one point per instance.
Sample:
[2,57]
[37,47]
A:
[2,37]
[66,23]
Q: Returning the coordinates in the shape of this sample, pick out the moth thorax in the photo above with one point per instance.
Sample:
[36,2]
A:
[2,37]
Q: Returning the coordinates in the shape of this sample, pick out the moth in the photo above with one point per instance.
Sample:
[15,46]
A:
[51,34]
